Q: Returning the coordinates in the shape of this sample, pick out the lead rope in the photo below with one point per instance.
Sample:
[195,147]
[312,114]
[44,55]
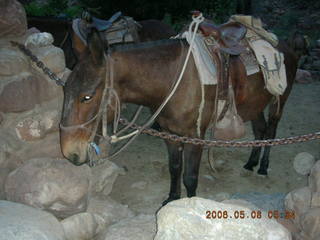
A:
[196,20]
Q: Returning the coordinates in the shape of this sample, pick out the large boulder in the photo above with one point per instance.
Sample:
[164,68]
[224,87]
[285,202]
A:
[13,21]
[189,218]
[103,178]
[109,210]
[310,223]
[20,222]
[314,178]
[37,126]
[82,226]
[303,163]
[25,90]
[298,201]
[141,227]
[12,62]
[50,184]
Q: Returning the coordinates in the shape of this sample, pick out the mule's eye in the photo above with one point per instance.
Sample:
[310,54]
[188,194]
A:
[86,99]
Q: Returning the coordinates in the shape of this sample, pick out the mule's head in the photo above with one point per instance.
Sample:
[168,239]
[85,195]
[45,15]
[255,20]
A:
[82,97]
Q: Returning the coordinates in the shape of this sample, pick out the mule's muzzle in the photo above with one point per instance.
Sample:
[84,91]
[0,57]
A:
[75,159]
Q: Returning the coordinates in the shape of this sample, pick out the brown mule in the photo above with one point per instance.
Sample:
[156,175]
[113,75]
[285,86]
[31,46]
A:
[144,74]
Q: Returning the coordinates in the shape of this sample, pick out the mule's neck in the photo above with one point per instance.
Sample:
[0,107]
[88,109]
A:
[145,75]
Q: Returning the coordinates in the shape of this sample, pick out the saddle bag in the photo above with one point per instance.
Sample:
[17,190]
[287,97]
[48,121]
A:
[124,30]
[231,125]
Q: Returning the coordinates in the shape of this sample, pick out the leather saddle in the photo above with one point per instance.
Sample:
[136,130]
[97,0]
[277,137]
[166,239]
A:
[117,29]
[228,35]
[100,24]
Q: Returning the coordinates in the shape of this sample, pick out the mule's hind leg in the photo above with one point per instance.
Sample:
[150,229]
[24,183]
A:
[271,131]
[192,157]
[259,128]
[175,168]
[273,120]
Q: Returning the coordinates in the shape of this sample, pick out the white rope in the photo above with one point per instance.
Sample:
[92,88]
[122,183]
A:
[196,20]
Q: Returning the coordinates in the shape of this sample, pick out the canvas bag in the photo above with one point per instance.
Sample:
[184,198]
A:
[231,126]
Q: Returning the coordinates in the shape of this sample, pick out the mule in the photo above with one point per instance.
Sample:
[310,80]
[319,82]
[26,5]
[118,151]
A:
[64,37]
[144,74]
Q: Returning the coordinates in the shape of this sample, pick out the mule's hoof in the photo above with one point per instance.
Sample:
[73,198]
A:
[248,167]
[245,172]
[169,199]
[262,173]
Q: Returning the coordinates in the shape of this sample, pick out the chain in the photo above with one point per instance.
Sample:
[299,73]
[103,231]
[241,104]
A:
[40,64]
[176,138]
[220,143]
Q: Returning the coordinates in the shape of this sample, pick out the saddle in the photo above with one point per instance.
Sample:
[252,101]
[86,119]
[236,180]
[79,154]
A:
[118,29]
[228,35]
[100,24]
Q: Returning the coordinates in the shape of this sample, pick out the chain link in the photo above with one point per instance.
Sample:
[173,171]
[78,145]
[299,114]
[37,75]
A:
[220,143]
[39,64]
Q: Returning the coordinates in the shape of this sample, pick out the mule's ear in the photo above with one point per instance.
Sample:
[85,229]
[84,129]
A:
[96,47]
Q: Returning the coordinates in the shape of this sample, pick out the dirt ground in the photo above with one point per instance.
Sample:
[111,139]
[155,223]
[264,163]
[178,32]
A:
[146,183]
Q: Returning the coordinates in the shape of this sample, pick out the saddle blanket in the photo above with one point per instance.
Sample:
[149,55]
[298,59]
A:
[270,60]
[203,60]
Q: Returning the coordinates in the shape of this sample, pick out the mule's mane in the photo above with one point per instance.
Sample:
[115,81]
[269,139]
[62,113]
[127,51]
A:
[143,45]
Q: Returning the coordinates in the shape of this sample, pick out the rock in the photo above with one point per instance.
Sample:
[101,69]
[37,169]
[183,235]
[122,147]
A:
[316,65]
[109,210]
[263,201]
[241,202]
[20,222]
[52,57]
[30,129]
[298,201]
[54,185]
[303,76]
[13,21]
[103,177]
[12,62]
[310,222]
[9,144]
[39,40]
[25,91]
[141,227]
[1,118]
[4,172]
[314,178]
[186,219]
[37,126]
[289,225]
[315,200]
[48,146]
[222,196]
[82,226]
[303,163]
[139,185]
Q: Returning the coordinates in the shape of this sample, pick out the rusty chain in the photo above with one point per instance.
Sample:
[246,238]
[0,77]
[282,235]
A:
[39,64]
[176,138]
[220,143]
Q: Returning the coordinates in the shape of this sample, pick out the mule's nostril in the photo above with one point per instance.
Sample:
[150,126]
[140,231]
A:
[74,158]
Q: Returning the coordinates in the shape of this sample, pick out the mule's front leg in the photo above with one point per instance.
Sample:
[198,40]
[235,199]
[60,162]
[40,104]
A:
[192,157]
[175,168]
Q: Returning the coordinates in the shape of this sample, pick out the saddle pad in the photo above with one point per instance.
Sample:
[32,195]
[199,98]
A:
[249,60]
[205,66]
[271,63]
